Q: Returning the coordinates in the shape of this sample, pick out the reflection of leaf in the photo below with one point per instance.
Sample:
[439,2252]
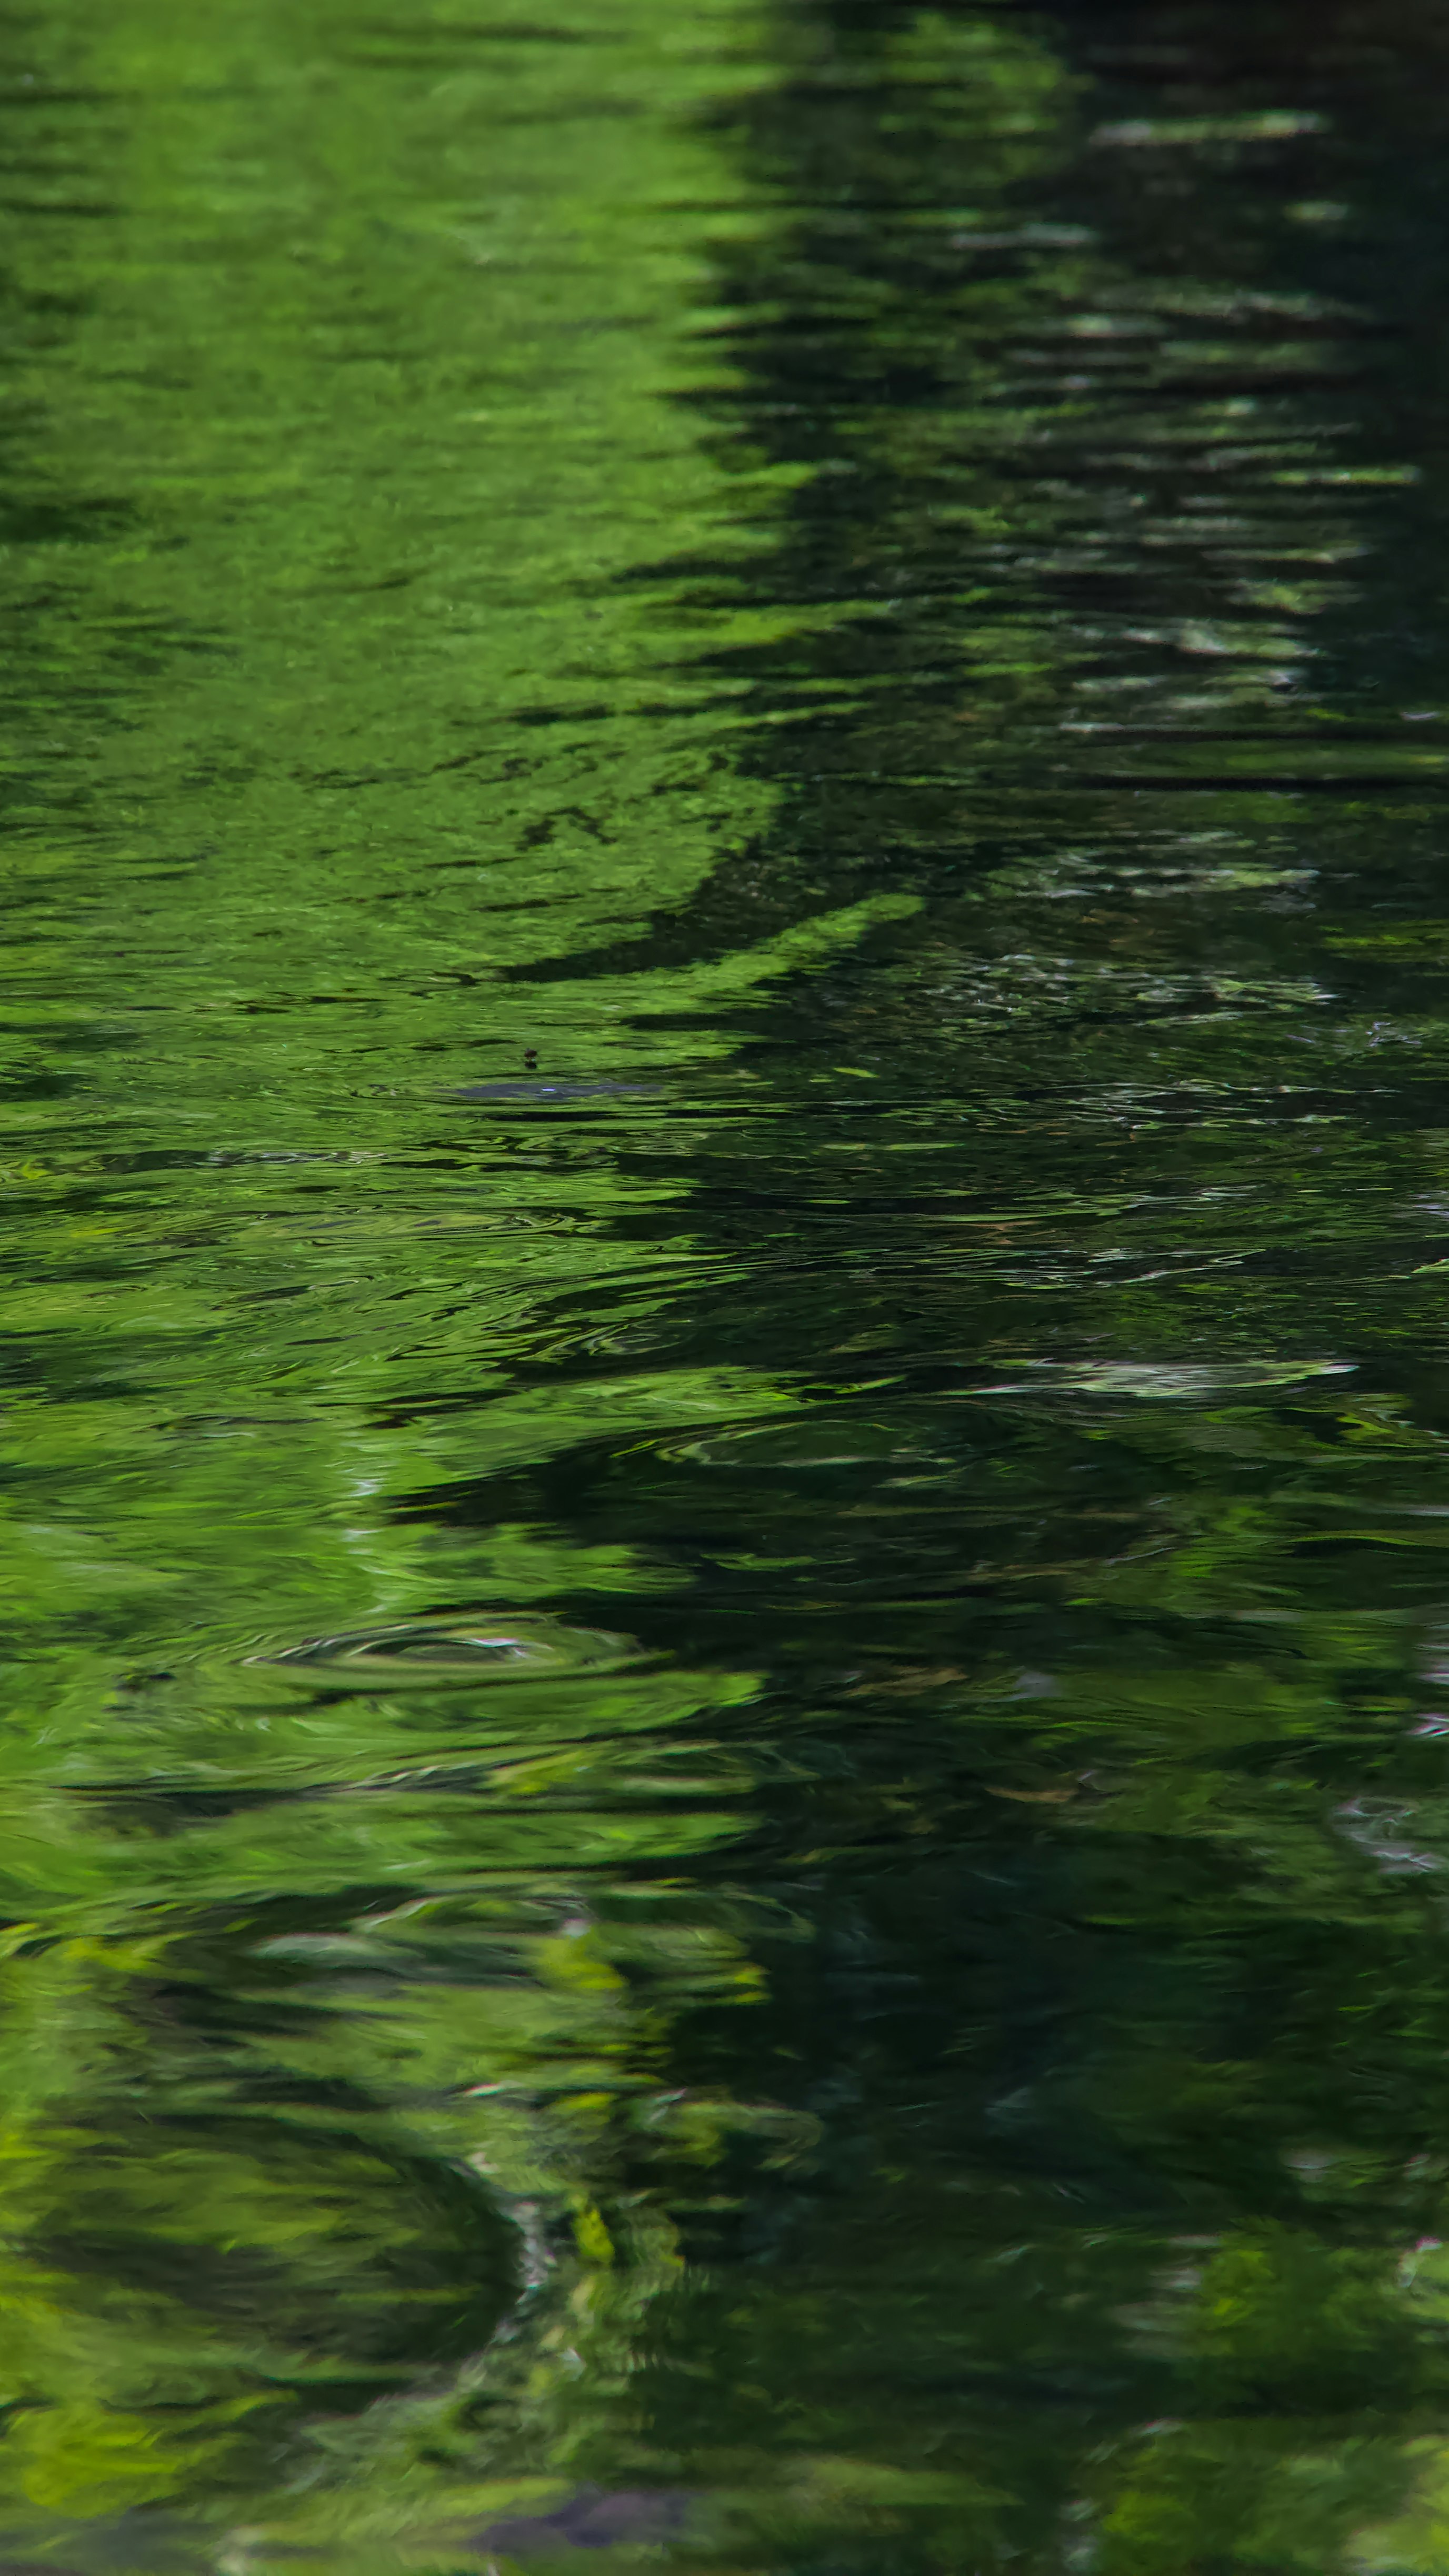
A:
[1394,939]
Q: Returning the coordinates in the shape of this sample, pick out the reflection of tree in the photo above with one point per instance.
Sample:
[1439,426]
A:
[315,2034]
[1125,2006]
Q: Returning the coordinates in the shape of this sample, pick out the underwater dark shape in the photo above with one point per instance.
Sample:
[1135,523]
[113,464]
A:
[592,2518]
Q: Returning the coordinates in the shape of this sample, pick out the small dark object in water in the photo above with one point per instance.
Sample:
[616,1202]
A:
[554,1091]
[592,2518]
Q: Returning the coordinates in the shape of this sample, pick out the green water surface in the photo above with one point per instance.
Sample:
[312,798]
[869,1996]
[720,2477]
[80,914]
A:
[726,1288]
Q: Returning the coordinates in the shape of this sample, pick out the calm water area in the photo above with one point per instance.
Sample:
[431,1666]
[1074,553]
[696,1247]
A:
[724,1832]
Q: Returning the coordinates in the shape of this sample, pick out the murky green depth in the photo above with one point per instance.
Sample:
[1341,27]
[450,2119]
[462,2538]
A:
[726,1289]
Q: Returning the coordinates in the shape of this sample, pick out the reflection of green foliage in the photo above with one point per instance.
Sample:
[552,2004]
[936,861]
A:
[361,345]
[985,2101]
